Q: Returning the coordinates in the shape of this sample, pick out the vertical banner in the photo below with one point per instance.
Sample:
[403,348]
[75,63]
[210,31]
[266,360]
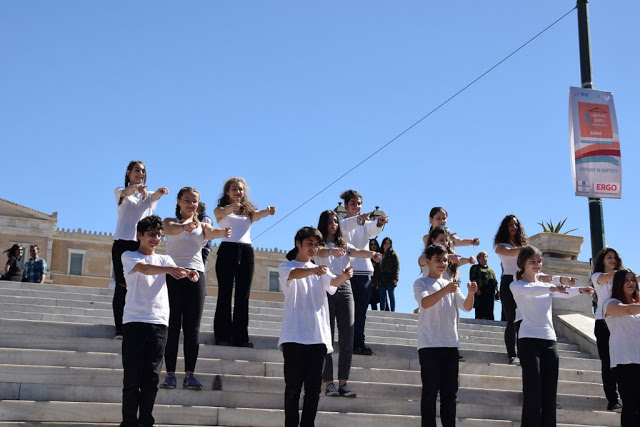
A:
[594,143]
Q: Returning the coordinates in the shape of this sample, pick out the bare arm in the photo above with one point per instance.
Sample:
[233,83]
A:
[222,211]
[346,275]
[132,189]
[7,266]
[269,210]
[173,227]
[457,241]
[606,277]
[503,250]
[211,232]
[42,278]
[468,302]
[615,308]
[162,191]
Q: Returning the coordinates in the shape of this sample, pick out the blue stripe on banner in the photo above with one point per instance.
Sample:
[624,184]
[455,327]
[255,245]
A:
[600,159]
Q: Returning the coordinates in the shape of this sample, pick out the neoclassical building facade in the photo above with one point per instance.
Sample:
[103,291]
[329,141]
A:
[83,258]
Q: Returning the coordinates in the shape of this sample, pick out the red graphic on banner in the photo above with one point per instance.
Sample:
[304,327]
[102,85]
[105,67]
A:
[595,120]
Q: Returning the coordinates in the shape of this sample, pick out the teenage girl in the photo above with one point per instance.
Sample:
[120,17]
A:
[375,278]
[438,218]
[185,236]
[134,203]
[509,239]
[389,272]
[607,263]
[537,345]
[622,312]
[440,235]
[235,262]
[337,255]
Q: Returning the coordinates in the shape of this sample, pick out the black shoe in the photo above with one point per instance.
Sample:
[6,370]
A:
[244,344]
[224,343]
[460,358]
[614,406]
[363,349]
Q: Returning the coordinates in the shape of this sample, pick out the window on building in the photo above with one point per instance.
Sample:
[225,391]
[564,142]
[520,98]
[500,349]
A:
[274,282]
[76,261]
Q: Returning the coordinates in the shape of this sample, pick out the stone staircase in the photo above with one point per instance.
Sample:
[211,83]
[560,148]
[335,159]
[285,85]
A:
[60,367]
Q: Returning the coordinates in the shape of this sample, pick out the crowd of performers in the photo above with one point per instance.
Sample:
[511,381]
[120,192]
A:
[327,283]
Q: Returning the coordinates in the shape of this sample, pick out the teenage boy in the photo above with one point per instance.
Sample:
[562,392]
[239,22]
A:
[305,338]
[145,321]
[358,230]
[438,344]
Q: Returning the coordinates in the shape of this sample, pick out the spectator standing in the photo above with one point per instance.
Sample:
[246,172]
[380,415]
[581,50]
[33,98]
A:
[12,269]
[375,278]
[485,277]
[35,269]
[389,273]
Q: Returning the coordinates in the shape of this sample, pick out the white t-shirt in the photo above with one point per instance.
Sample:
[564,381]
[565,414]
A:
[624,345]
[186,248]
[147,297]
[359,236]
[438,324]
[132,209]
[306,309]
[509,263]
[240,228]
[534,301]
[603,291]
[336,265]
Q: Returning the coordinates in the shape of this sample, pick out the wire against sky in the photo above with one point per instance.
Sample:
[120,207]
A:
[419,121]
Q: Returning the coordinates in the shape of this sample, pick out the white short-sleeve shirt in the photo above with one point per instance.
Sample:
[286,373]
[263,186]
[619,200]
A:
[132,209]
[624,345]
[147,299]
[306,308]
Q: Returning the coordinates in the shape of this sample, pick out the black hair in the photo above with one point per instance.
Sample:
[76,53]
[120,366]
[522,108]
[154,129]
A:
[598,266]
[306,232]
[434,210]
[433,235]
[11,252]
[323,228]
[390,244]
[523,256]
[350,194]
[617,289]
[130,167]
[502,235]
[377,244]
[202,207]
[434,250]
[151,222]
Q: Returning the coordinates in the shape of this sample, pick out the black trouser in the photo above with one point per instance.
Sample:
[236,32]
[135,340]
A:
[483,304]
[341,312]
[509,310]
[439,372]
[601,331]
[302,365]
[628,377]
[539,362]
[234,265]
[142,349]
[119,247]
[186,302]
[361,287]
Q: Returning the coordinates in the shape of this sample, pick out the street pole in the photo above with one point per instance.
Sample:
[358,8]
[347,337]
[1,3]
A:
[596,216]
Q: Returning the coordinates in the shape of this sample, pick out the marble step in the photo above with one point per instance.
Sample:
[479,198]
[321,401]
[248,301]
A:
[468,415]
[106,371]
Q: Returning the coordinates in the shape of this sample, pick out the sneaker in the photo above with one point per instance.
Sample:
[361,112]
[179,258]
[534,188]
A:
[191,383]
[614,406]
[169,382]
[246,344]
[514,361]
[363,349]
[332,390]
[460,358]
[345,391]
[118,336]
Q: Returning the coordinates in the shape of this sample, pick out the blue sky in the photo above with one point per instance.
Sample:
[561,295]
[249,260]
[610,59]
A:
[290,95]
